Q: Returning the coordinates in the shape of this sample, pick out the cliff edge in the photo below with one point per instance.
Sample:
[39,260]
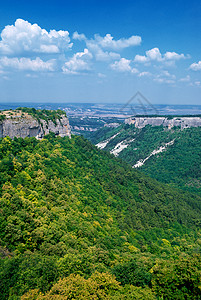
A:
[29,122]
[180,121]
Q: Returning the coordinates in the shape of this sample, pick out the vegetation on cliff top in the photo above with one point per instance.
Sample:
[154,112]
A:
[2,117]
[39,114]
[44,114]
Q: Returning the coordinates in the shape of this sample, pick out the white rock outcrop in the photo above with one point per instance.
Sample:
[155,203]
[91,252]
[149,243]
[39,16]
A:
[25,125]
[183,122]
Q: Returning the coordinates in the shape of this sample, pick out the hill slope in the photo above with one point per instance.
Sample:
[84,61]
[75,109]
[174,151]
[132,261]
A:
[170,156]
[69,208]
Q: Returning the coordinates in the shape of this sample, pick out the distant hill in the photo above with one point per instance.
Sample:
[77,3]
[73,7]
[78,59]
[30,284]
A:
[169,155]
[77,222]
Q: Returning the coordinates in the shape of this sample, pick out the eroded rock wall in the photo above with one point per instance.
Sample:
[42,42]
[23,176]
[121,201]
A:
[183,122]
[28,126]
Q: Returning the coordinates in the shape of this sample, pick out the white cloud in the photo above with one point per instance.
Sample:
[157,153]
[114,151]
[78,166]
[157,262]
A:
[165,77]
[155,55]
[101,75]
[165,73]
[31,75]
[173,56]
[26,64]
[108,42]
[85,54]
[100,46]
[195,83]
[79,37]
[23,37]
[104,56]
[123,65]
[78,63]
[185,79]
[143,74]
[101,55]
[195,66]
[164,80]
[140,58]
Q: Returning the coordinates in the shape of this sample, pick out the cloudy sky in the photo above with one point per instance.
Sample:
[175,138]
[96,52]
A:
[100,51]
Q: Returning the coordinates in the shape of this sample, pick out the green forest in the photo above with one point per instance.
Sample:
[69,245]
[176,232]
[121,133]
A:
[179,165]
[78,223]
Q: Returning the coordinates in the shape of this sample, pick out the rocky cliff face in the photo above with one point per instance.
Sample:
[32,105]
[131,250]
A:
[19,124]
[183,122]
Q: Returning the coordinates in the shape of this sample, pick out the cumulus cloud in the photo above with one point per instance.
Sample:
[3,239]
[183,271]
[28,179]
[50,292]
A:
[155,55]
[173,56]
[24,37]
[164,80]
[140,58]
[123,65]
[79,37]
[22,43]
[101,55]
[166,73]
[28,47]
[195,66]
[165,77]
[78,63]
[101,46]
[143,74]
[108,42]
[26,64]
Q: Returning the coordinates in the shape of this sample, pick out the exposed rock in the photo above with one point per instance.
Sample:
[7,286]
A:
[81,128]
[112,125]
[183,122]
[156,151]
[19,124]
[121,146]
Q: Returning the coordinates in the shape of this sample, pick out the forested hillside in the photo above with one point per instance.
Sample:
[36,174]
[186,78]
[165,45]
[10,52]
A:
[78,223]
[170,156]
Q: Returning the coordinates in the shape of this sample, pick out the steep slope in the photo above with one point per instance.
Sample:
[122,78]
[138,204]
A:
[170,156]
[69,208]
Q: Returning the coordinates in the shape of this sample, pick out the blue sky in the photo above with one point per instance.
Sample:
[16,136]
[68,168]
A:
[100,51]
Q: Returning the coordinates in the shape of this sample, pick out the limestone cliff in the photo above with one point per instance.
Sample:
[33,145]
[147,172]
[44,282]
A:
[24,124]
[183,122]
